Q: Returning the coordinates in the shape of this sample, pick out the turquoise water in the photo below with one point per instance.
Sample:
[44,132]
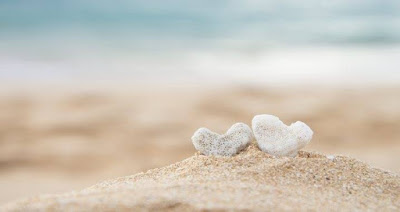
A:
[268,22]
[48,31]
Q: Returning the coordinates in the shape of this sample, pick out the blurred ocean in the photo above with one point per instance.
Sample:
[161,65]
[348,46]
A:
[286,41]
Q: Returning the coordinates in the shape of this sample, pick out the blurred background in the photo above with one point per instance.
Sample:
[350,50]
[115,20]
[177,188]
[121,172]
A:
[91,90]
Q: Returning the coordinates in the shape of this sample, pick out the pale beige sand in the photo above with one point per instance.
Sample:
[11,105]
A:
[252,180]
[54,141]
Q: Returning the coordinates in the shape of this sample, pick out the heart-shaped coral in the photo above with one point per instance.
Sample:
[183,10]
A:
[232,142]
[276,138]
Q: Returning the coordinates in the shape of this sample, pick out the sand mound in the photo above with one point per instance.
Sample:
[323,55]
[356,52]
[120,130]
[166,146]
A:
[251,180]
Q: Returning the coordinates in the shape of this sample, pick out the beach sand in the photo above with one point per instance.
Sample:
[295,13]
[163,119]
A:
[251,180]
[55,141]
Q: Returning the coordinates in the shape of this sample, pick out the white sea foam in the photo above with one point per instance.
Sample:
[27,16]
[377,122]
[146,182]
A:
[327,65]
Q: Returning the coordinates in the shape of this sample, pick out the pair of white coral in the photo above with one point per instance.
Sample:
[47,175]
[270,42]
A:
[271,134]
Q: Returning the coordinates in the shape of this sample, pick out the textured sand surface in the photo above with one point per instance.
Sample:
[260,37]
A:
[55,141]
[251,180]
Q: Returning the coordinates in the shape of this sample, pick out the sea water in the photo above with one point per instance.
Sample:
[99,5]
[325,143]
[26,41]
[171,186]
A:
[286,41]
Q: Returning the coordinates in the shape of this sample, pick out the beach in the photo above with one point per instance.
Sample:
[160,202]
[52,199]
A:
[100,102]
[251,180]
[59,140]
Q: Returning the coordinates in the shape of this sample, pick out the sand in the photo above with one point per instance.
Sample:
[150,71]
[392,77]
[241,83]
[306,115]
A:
[55,141]
[251,180]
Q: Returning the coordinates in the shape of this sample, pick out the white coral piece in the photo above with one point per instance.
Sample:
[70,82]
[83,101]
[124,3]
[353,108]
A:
[276,138]
[232,142]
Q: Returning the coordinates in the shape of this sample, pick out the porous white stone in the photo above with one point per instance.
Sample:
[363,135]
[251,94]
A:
[277,139]
[232,142]
[330,157]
